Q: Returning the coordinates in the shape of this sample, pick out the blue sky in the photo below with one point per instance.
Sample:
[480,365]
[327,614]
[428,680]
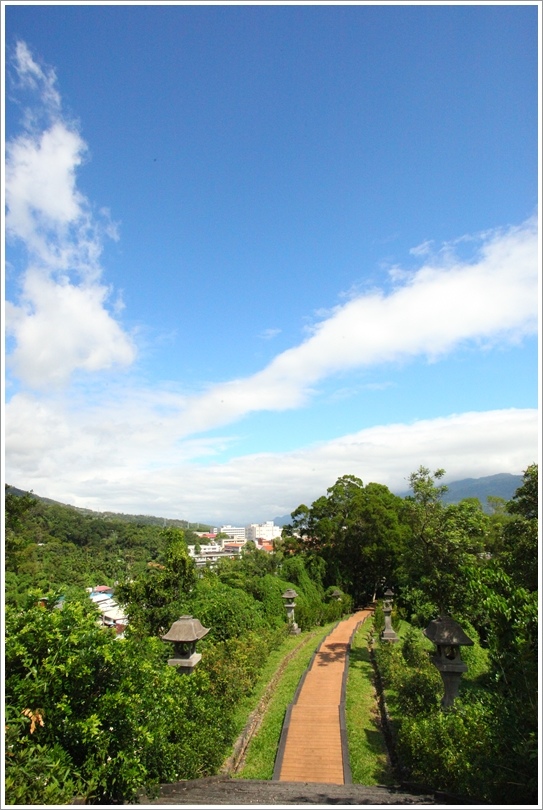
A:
[252,248]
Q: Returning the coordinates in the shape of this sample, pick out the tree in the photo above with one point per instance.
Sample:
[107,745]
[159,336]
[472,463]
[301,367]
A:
[17,508]
[442,547]
[519,557]
[356,531]
[159,595]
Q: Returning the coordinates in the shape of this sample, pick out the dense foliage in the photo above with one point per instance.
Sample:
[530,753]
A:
[113,713]
[93,715]
[356,530]
[485,745]
[478,748]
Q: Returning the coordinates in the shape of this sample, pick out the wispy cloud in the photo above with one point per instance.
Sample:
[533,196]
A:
[269,334]
[61,322]
[487,300]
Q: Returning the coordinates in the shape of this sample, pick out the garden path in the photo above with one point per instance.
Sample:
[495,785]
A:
[313,744]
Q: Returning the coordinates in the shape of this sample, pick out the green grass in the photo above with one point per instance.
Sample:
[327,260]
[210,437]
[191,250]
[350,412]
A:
[367,748]
[261,752]
[274,661]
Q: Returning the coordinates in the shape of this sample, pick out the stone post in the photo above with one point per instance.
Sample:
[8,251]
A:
[388,633]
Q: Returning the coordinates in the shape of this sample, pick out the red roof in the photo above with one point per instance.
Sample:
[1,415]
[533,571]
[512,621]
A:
[102,588]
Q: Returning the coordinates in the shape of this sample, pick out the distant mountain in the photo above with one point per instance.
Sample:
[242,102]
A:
[502,485]
[145,520]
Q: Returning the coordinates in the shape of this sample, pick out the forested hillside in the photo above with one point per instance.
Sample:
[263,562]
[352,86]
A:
[92,715]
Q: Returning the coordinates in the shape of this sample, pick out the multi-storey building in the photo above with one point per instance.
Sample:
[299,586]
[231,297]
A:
[263,531]
[236,533]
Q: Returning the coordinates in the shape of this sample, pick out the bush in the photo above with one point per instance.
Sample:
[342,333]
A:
[104,718]
[480,747]
[448,750]
[228,612]
[378,619]
[414,650]
[389,662]
[419,691]
[37,773]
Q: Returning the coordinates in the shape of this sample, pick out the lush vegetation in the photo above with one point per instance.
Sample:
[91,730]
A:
[93,715]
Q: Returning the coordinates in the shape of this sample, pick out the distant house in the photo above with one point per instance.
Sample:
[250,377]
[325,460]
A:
[111,615]
[264,545]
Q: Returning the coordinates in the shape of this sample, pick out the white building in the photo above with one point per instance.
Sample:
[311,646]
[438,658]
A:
[211,553]
[234,533]
[263,531]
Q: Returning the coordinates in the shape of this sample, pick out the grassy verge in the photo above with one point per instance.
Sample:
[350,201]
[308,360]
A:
[249,703]
[367,748]
[260,756]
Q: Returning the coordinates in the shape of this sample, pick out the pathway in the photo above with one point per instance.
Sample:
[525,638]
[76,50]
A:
[313,744]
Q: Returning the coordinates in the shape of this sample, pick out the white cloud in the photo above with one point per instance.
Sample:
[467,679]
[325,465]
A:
[61,323]
[488,300]
[41,192]
[134,461]
[424,249]
[62,328]
[31,75]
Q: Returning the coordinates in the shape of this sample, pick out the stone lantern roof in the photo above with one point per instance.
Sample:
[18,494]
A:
[445,631]
[186,629]
[290,593]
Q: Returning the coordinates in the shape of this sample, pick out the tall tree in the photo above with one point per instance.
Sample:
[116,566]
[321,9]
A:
[442,547]
[355,529]
[519,557]
[158,596]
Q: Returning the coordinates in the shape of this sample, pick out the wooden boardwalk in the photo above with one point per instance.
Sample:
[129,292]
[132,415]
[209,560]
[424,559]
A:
[313,745]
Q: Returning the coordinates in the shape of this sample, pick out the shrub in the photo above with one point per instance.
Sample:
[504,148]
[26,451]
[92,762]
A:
[480,747]
[414,650]
[113,717]
[419,691]
[378,619]
[228,612]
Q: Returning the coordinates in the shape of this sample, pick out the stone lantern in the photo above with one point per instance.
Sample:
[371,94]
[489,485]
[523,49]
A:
[336,594]
[184,633]
[448,637]
[388,633]
[289,596]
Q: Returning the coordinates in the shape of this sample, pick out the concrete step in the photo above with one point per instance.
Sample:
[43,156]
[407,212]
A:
[216,790]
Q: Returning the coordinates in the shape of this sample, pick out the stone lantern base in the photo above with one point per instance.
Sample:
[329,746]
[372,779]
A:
[388,633]
[451,675]
[294,630]
[185,665]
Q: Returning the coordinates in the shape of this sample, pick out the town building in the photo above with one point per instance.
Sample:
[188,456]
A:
[209,554]
[111,614]
[236,533]
[263,531]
